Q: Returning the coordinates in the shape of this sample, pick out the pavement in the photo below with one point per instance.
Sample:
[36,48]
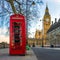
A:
[4,55]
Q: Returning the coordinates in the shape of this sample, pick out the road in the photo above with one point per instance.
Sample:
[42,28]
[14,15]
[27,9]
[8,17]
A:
[47,53]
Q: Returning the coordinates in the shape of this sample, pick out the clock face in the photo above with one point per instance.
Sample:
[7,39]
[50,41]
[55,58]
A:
[47,20]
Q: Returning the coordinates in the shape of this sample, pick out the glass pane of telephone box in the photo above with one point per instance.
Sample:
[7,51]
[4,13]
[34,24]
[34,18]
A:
[16,36]
[17,40]
[17,25]
[16,32]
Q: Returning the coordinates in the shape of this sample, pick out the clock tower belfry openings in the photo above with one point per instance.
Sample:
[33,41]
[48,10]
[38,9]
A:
[46,24]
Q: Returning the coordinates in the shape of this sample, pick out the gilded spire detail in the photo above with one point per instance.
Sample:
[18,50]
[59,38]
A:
[47,10]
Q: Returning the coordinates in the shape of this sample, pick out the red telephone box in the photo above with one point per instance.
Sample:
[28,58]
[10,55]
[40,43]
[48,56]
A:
[17,35]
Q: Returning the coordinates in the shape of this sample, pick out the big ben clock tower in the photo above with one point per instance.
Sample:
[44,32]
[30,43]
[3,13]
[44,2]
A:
[46,24]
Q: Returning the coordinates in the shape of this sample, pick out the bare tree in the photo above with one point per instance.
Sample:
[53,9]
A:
[21,7]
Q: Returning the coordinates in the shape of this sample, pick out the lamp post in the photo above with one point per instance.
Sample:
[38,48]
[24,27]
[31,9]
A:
[27,14]
[42,42]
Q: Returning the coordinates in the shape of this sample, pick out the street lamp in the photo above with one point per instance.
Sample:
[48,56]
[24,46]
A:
[42,42]
[27,14]
[33,3]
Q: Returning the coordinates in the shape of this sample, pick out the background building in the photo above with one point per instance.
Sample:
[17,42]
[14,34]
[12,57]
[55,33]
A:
[4,45]
[53,34]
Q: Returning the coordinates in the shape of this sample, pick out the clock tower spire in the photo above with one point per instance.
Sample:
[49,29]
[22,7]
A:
[46,24]
[47,10]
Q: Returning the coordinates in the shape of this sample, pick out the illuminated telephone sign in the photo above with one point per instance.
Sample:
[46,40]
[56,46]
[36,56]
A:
[17,35]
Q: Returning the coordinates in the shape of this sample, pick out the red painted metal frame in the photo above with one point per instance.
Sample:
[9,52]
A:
[15,48]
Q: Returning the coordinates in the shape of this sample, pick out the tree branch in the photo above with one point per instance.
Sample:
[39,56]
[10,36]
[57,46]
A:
[6,10]
[19,5]
[12,5]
